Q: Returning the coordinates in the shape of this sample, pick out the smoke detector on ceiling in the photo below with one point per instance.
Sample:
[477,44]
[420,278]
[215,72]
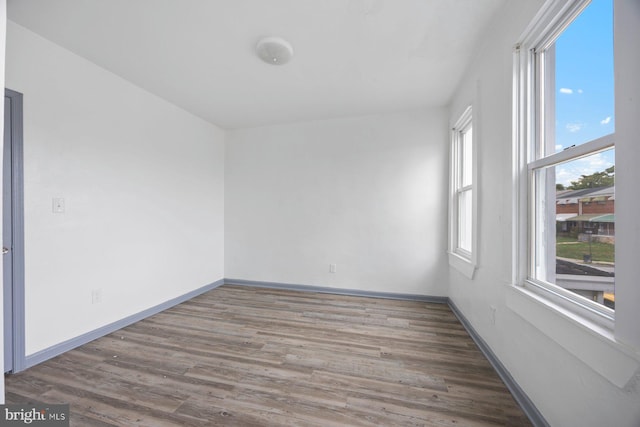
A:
[274,50]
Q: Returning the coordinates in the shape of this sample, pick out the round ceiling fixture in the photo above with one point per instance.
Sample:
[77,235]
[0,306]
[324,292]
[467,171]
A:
[274,50]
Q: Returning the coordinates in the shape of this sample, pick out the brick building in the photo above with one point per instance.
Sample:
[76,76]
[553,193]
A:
[590,210]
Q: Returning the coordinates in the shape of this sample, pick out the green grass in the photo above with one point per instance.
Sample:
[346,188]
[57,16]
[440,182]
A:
[567,247]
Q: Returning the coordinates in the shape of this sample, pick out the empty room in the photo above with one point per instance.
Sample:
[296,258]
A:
[321,212]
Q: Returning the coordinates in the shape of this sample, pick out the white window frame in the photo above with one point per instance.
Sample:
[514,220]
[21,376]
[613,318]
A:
[462,259]
[529,121]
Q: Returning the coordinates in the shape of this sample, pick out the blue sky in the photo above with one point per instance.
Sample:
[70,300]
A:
[584,88]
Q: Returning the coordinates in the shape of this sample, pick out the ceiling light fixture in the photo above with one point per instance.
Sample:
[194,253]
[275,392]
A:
[274,50]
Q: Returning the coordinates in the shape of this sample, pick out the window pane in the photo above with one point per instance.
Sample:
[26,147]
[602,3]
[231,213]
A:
[581,78]
[465,208]
[466,146]
[574,226]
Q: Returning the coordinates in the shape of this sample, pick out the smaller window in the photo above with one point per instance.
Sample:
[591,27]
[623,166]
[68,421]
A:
[462,202]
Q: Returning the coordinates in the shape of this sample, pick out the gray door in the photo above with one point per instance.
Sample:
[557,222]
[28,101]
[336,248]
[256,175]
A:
[13,234]
[7,239]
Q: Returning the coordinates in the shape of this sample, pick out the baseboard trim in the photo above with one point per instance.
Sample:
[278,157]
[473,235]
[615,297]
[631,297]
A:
[337,291]
[72,343]
[518,394]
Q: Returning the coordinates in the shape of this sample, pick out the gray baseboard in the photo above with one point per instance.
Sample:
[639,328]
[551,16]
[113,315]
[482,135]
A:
[72,343]
[518,394]
[337,291]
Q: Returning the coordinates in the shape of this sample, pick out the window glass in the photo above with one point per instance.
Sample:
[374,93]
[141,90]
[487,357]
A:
[465,207]
[575,248]
[467,156]
[583,86]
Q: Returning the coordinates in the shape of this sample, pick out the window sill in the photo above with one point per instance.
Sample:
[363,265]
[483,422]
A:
[462,264]
[593,344]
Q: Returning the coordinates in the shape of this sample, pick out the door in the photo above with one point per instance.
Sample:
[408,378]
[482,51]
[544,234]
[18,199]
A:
[7,264]
[12,234]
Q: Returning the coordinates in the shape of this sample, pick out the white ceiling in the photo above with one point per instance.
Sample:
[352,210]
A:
[352,57]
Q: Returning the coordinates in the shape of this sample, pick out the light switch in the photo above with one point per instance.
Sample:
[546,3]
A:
[58,205]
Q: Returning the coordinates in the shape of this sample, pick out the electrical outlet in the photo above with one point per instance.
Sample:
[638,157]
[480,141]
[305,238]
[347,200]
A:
[493,314]
[332,268]
[96,296]
[58,205]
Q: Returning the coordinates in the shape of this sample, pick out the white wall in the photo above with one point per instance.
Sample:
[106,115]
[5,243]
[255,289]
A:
[627,17]
[364,193]
[143,183]
[568,391]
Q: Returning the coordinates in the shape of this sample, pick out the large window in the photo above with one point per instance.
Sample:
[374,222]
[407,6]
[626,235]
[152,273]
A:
[462,223]
[567,164]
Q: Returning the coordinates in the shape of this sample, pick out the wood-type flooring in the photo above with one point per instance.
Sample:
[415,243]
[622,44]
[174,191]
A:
[244,356]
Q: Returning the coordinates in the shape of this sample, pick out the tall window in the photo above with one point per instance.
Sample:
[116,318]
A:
[461,246]
[566,123]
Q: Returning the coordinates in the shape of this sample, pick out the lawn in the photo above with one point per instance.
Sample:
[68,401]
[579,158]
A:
[566,247]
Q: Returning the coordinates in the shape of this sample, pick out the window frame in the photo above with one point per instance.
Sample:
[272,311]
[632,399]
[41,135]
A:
[460,258]
[528,123]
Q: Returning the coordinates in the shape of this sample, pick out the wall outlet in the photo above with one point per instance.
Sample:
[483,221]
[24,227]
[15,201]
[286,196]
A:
[58,205]
[332,268]
[493,314]
[96,296]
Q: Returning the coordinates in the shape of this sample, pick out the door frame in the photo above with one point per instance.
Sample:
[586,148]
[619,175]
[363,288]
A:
[17,207]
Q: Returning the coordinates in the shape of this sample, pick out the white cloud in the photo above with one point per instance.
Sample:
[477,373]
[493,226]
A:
[580,91]
[563,176]
[594,163]
[605,121]
[567,172]
[574,127]
[558,147]
[566,90]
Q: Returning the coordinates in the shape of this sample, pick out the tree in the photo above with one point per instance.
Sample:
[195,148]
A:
[605,178]
[560,187]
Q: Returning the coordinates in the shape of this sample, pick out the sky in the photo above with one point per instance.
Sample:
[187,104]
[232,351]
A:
[584,88]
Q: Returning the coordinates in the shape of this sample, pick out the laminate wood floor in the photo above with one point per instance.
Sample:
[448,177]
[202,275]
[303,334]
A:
[247,356]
